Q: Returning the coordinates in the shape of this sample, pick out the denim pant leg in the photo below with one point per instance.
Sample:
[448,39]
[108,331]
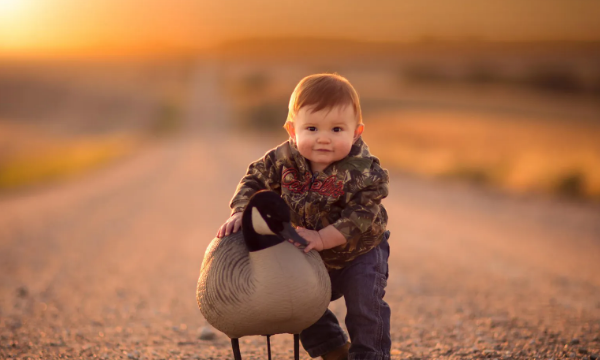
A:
[323,336]
[363,284]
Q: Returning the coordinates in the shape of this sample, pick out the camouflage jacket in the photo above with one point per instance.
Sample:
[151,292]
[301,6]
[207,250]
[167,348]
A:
[347,194]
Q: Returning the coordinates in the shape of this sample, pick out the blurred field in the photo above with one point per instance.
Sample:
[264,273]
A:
[515,153]
[519,117]
[60,119]
[30,156]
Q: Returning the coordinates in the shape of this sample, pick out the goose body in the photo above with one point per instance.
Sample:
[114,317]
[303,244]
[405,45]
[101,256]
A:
[273,291]
[255,282]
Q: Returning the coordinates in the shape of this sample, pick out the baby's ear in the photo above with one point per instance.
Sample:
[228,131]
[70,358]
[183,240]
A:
[358,132]
[289,126]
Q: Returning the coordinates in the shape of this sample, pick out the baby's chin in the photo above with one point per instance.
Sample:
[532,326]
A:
[324,160]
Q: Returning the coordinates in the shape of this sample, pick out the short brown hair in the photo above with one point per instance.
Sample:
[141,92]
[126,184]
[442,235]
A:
[323,91]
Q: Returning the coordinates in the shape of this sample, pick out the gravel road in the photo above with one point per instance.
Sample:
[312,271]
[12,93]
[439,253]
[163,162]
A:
[105,266]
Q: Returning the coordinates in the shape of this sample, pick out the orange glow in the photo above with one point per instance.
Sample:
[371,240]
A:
[15,16]
[134,26]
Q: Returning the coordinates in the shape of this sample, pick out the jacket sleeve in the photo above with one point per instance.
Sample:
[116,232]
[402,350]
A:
[361,221]
[262,174]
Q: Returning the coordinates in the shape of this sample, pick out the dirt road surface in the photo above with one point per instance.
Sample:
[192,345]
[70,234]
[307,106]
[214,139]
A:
[106,266]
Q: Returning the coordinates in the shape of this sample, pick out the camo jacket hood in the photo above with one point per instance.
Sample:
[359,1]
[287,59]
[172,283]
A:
[347,194]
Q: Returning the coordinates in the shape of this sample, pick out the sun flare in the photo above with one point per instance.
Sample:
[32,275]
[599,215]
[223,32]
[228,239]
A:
[16,19]
[9,8]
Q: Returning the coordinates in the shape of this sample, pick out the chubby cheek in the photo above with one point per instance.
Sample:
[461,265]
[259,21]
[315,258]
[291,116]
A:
[304,146]
[343,148]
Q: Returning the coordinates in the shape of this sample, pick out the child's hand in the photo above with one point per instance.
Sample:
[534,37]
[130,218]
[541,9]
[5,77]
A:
[312,237]
[232,225]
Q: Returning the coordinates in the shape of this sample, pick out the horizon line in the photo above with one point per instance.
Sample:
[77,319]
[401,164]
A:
[167,50]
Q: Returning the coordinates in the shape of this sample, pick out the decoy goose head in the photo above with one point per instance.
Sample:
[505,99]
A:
[266,222]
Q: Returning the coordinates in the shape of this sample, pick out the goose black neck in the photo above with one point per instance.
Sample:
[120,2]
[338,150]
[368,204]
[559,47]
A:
[254,240]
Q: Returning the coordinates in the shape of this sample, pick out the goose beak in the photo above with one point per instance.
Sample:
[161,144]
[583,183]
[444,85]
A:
[289,232]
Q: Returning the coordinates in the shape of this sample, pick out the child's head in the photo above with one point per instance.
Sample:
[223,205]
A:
[324,118]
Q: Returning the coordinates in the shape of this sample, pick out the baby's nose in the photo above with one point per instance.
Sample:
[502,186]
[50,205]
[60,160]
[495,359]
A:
[323,139]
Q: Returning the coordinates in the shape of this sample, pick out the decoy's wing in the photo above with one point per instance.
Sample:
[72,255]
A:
[316,263]
[225,278]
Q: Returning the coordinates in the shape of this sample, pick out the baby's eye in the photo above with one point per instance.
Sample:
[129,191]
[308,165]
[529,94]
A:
[337,129]
[311,128]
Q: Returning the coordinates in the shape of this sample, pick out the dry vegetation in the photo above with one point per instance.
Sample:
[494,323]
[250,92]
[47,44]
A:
[515,153]
[60,119]
[30,156]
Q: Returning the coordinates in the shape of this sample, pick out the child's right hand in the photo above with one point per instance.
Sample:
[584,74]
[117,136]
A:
[232,225]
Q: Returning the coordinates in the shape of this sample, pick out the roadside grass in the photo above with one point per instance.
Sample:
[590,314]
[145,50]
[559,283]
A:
[42,159]
[517,154]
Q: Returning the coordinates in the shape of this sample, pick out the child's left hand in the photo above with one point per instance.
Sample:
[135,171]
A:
[312,237]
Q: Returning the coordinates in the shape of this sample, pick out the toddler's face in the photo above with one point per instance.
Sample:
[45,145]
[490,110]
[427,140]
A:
[325,136]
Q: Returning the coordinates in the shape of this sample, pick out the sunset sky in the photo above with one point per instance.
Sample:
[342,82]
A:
[76,26]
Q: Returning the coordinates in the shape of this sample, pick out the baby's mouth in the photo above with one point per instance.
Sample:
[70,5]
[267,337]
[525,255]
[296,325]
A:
[322,150]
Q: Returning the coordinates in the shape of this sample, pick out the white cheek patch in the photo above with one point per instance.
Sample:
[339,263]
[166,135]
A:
[259,224]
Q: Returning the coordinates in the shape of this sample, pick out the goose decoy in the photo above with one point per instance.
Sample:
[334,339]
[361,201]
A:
[255,282]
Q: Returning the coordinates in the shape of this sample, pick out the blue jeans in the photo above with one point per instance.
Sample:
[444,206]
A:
[362,284]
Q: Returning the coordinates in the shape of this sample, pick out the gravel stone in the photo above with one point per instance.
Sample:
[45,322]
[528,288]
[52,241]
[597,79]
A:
[207,333]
